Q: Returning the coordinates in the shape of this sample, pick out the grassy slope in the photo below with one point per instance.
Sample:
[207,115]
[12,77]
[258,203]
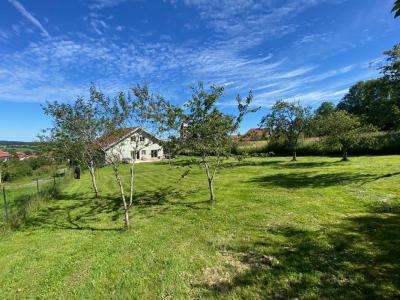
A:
[313,229]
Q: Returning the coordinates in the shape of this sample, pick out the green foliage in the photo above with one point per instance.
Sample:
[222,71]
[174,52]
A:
[287,120]
[15,169]
[325,109]
[207,131]
[391,69]
[396,8]
[377,101]
[346,130]
[379,143]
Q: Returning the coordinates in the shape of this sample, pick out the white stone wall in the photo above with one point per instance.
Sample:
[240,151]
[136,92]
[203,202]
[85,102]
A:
[125,148]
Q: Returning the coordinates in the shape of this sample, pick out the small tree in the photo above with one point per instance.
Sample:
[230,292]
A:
[288,120]
[119,114]
[345,130]
[75,129]
[207,131]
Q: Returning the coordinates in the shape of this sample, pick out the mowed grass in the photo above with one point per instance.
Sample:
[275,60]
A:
[315,229]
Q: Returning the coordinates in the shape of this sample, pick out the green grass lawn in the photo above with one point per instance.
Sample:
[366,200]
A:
[315,229]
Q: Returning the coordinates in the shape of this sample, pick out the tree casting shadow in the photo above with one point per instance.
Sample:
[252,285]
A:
[310,179]
[81,211]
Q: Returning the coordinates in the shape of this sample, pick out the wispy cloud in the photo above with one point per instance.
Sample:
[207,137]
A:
[24,12]
[99,4]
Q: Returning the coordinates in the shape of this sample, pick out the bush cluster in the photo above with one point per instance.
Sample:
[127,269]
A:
[383,143]
[15,169]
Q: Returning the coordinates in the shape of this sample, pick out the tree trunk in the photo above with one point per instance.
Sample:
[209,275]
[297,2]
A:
[131,185]
[211,189]
[121,188]
[210,183]
[294,155]
[345,156]
[94,184]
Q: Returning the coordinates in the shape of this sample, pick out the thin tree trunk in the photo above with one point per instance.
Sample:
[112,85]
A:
[131,184]
[210,182]
[345,156]
[211,189]
[294,155]
[121,188]
[94,184]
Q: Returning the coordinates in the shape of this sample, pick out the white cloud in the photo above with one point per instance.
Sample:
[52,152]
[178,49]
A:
[23,11]
[99,4]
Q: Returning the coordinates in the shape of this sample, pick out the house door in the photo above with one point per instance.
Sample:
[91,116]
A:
[137,155]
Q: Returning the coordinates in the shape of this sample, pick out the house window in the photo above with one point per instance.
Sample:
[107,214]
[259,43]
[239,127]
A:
[142,138]
[154,153]
[133,153]
[133,138]
[143,152]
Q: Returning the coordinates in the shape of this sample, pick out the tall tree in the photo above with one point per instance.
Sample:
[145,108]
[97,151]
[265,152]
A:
[207,131]
[325,109]
[345,130]
[75,129]
[374,101]
[392,67]
[288,120]
[378,101]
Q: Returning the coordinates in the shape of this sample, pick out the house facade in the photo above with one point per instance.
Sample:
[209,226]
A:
[133,143]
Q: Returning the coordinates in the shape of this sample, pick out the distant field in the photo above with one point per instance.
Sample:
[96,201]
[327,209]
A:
[315,229]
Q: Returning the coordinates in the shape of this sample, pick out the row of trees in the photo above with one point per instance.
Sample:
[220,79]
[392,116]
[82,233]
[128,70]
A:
[377,101]
[81,130]
[368,106]
[289,121]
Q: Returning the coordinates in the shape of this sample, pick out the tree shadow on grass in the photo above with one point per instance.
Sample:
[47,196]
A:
[167,199]
[355,259]
[388,175]
[80,211]
[310,179]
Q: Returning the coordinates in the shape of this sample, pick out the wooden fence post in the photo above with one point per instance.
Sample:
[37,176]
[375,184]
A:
[5,202]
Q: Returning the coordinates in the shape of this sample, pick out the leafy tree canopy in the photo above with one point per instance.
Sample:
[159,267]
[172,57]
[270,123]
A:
[346,130]
[288,120]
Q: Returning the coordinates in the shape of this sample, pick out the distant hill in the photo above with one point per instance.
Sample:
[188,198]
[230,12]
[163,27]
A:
[17,143]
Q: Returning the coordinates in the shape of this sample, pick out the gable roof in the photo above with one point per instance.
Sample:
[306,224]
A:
[4,154]
[110,139]
[107,141]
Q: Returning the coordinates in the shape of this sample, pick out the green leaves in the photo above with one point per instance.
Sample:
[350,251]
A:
[344,129]
[396,8]
[287,120]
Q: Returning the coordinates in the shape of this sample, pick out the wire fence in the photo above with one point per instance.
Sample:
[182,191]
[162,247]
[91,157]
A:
[19,200]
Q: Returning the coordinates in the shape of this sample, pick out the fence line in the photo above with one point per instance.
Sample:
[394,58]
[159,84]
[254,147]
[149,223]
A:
[17,201]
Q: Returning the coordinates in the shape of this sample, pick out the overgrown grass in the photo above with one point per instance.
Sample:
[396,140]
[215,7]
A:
[315,229]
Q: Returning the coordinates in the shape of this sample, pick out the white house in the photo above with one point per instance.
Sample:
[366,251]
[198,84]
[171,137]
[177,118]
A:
[131,143]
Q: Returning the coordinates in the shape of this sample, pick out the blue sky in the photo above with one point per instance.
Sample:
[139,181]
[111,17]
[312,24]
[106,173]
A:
[306,50]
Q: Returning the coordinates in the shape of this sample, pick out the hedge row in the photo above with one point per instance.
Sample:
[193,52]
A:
[384,143]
